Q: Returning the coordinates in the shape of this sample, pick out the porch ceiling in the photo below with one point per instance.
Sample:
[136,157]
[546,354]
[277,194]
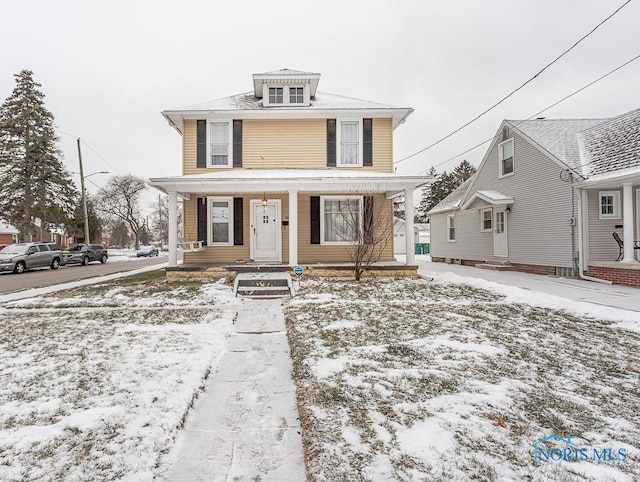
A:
[284,180]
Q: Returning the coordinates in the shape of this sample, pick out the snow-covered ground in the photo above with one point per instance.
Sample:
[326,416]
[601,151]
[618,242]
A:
[456,378]
[96,381]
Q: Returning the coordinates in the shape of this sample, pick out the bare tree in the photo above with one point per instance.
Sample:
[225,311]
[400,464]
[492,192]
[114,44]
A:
[365,223]
[120,198]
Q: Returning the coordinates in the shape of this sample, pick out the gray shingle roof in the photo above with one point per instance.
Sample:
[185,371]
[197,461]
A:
[558,136]
[612,145]
[453,200]
[248,101]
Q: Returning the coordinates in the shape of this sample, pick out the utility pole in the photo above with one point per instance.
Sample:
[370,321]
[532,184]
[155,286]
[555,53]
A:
[87,240]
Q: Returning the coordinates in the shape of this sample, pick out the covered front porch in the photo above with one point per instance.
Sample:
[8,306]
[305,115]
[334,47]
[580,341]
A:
[278,219]
[609,216]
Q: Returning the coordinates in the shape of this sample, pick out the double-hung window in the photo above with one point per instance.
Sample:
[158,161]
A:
[486,220]
[451,228]
[219,144]
[505,158]
[609,205]
[341,219]
[276,95]
[221,220]
[349,143]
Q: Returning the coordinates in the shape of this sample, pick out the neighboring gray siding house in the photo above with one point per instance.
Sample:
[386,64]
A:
[547,197]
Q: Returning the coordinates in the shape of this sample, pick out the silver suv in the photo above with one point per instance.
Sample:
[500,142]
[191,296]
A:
[23,256]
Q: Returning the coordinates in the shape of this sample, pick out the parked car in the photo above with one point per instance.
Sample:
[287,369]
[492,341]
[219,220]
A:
[20,257]
[147,251]
[85,254]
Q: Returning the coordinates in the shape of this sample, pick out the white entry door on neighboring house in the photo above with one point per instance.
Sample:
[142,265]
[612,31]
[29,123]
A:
[266,244]
[500,245]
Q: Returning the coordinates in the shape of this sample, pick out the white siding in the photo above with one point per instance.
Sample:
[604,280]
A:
[539,229]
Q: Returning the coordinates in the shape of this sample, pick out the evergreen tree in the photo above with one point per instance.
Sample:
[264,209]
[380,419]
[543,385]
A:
[33,180]
[422,210]
[445,184]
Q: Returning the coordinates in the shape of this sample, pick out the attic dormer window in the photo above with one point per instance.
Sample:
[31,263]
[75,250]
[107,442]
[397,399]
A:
[296,95]
[276,95]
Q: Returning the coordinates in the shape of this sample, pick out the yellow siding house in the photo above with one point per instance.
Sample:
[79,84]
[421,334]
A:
[271,176]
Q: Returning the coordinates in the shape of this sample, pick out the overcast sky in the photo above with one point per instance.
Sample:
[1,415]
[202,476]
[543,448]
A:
[109,68]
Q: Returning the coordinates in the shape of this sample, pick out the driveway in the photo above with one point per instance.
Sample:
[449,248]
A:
[614,296]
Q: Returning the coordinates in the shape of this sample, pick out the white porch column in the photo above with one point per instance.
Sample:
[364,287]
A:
[293,227]
[408,226]
[627,222]
[173,229]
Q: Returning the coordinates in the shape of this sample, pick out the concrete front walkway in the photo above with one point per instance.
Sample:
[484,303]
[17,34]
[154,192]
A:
[245,425]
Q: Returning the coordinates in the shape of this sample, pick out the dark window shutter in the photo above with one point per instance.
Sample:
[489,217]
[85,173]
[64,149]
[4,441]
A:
[367,219]
[315,219]
[202,220]
[201,141]
[331,143]
[237,144]
[237,221]
[367,142]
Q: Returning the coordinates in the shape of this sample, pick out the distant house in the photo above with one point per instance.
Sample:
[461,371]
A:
[268,174]
[421,234]
[547,198]
[8,233]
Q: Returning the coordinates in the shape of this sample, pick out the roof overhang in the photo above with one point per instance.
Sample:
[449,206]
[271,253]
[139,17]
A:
[176,117]
[492,197]
[613,179]
[254,181]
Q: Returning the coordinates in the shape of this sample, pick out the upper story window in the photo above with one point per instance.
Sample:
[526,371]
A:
[609,205]
[276,95]
[349,144]
[505,158]
[219,144]
[296,95]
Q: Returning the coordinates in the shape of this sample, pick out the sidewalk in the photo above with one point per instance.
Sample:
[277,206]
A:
[245,424]
[614,296]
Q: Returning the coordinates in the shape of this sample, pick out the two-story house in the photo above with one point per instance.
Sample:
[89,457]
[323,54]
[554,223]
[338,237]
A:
[551,196]
[268,175]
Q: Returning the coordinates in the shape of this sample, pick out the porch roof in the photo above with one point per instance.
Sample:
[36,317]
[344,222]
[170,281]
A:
[494,198]
[284,180]
[613,179]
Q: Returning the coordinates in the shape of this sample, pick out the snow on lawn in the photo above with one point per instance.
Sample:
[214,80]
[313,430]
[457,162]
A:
[97,381]
[420,380]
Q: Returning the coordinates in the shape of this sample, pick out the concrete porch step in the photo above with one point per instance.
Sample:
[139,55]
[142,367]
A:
[496,266]
[263,285]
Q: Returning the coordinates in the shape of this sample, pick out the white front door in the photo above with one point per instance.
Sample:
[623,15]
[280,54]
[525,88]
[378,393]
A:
[500,246]
[265,231]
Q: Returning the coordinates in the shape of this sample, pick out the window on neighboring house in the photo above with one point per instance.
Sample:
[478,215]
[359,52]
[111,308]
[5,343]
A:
[505,158]
[221,224]
[276,95]
[296,95]
[341,219]
[349,143]
[609,204]
[451,227]
[219,143]
[486,218]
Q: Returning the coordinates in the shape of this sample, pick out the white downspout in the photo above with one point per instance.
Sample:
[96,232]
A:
[581,234]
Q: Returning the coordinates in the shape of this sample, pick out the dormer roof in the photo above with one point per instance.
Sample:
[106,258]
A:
[285,77]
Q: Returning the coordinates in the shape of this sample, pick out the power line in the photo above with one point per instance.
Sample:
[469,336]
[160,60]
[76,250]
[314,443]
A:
[93,150]
[540,112]
[515,90]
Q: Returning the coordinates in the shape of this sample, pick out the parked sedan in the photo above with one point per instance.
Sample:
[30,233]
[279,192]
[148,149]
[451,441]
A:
[147,251]
[84,254]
